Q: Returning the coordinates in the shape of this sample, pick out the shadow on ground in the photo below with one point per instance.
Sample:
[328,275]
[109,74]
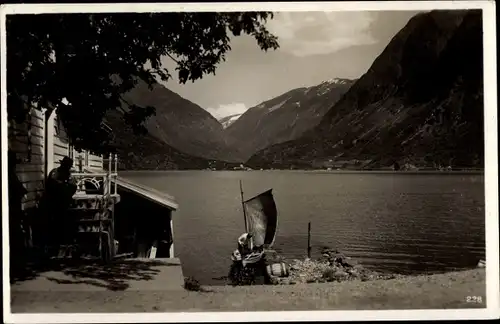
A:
[114,276]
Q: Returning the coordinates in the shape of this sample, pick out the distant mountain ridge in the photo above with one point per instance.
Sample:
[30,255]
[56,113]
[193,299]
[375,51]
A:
[180,123]
[181,135]
[146,152]
[420,103]
[285,117]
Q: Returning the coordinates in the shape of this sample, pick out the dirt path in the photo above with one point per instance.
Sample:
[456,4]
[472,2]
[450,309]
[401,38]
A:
[422,292]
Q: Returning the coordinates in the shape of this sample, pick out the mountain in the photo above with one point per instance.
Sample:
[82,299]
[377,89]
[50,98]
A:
[420,104]
[180,123]
[146,152]
[229,120]
[285,117]
[181,135]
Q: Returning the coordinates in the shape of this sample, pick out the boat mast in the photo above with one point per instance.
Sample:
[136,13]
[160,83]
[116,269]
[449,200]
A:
[243,206]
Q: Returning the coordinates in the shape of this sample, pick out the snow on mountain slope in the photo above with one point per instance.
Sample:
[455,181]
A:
[285,117]
[228,120]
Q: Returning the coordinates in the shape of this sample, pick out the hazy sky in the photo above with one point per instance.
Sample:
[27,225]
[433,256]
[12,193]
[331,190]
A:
[314,46]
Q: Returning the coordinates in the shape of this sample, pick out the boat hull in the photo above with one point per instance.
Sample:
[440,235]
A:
[249,271]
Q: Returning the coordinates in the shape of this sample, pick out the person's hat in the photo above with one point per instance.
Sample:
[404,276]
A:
[66,161]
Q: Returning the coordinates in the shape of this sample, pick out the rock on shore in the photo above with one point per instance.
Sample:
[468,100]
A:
[333,266]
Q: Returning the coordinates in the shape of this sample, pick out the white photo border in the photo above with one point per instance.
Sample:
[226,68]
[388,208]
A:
[492,311]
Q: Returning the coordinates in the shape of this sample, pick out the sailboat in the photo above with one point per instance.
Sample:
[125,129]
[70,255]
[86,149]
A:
[261,220]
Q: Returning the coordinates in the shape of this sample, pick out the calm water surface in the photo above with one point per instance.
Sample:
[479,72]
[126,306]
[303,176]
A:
[405,223]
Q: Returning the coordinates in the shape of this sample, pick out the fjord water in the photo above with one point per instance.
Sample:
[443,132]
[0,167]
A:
[394,222]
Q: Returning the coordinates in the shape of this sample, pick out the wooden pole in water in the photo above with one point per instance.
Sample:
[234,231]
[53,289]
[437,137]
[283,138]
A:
[309,240]
[243,206]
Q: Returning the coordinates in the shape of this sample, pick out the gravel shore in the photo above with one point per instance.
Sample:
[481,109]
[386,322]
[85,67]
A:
[439,291]
[333,266]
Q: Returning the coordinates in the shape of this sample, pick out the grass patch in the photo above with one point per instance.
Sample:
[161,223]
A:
[191,284]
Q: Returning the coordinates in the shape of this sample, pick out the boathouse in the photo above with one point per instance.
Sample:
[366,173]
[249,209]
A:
[141,224]
[145,224]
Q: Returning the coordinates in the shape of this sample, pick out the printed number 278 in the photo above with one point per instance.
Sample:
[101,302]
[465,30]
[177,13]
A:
[474,299]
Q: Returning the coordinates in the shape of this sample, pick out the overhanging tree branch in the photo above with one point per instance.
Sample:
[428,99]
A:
[75,56]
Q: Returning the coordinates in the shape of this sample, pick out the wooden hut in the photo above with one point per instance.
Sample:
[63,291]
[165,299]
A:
[144,222]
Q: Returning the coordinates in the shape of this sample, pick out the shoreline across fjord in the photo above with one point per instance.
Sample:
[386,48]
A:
[381,171]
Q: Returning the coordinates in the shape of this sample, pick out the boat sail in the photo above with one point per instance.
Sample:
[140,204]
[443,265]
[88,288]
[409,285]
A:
[261,218]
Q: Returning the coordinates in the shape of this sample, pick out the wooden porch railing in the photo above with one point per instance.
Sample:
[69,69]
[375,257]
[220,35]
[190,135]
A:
[97,183]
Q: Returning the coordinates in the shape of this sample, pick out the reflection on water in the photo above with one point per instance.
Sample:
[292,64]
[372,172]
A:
[404,223]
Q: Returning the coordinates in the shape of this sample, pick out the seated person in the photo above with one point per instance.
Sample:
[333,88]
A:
[58,196]
[245,244]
